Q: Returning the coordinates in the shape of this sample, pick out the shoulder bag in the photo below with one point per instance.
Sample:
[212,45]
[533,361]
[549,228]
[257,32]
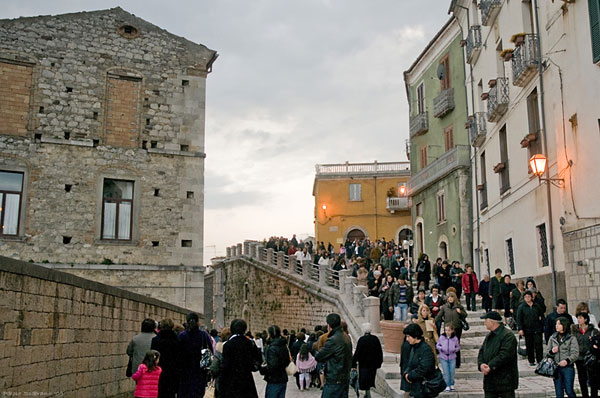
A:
[465,325]
[520,350]
[434,385]
[589,359]
[291,369]
[128,371]
[546,368]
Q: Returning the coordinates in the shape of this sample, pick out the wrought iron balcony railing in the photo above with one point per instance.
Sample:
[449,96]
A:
[394,204]
[419,124]
[498,98]
[489,11]
[524,60]
[473,44]
[477,128]
[443,103]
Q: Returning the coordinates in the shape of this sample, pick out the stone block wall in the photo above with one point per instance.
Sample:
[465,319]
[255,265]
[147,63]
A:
[263,299]
[61,335]
[582,263]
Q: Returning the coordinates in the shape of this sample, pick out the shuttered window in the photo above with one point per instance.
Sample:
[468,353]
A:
[355,192]
[594,8]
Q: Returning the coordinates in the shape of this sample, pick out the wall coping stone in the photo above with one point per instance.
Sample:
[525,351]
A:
[127,267]
[37,271]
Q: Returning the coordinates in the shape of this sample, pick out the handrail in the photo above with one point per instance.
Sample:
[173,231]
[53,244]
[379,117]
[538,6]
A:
[357,168]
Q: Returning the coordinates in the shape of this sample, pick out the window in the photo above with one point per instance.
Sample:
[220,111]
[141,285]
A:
[423,157]
[445,82]
[421,98]
[543,244]
[11,190]
[448,138]
[487,259]
[355,191]
[420,209]
[510,257]
[533,116]
[482,188]
[504,177]
[117,206]
[594,8]
[441,207]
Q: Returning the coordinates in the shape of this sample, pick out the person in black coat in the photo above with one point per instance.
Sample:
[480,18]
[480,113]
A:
[241,357]
[421,362]
[170,354]
[445,281]
[404,357]
[277,358]
[530,325]
[484,292]
[369,357]
[193,340]
[423,272]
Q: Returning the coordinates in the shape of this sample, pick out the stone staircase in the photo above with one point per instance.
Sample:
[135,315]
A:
[468,380]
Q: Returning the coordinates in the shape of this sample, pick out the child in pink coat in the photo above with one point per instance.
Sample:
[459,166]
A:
[147,375]
[305,363]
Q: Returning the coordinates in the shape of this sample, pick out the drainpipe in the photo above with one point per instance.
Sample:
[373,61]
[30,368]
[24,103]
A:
[471,172]
[545,145]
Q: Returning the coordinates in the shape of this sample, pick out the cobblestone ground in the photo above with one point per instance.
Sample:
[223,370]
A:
[292,390]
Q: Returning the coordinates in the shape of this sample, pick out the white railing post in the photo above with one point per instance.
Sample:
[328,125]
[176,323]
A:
[247,248]
[345,273]
[371,309]
[234,251]
[280,259]
[306,266]
[254,250]
[228,251]
[240,247]
[260,249]
[270,256]
[359,292]
[323,274]
[348,289]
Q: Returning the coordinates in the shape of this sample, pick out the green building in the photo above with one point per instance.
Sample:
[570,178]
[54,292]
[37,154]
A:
[439,150]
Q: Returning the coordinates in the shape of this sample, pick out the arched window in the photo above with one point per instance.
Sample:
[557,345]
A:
[443,250]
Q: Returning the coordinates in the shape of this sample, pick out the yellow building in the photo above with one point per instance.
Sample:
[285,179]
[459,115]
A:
[357,200]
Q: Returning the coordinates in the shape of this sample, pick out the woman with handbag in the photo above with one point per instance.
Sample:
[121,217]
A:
[421,363]
[583,332]
[564,350]
[453,312]
[277,359]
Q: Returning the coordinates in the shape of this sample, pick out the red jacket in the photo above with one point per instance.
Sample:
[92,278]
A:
[466,285]
[146,383]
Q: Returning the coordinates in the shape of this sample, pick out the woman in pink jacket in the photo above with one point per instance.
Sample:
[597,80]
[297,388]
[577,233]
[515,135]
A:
[147,375]
[470,287]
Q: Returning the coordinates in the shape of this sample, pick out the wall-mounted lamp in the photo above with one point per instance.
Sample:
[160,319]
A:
[538,164]
[402,190]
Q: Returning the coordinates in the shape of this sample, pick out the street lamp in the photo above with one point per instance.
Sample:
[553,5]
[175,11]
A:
[402,190]
[538,164]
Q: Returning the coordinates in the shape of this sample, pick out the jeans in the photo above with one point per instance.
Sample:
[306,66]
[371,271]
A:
[448,368]
[335,390]
[564,381]
[401,312]
[533,344]
[275,390]
[470,298]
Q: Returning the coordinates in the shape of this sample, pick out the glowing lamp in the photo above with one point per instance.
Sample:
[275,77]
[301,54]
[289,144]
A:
[324,207]
[537,163]
[402,190]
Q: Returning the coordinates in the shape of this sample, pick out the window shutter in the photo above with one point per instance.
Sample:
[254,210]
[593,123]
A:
[594,8]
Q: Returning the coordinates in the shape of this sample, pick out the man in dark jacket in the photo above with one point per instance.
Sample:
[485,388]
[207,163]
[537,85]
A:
[337,355]
[529,323]
[400,298]
[369,357]
[241,357]
[421,362]
[560,310]
[277,358]
[495,292]
[497,359]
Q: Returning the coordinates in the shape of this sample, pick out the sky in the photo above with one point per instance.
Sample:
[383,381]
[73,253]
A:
[297,83]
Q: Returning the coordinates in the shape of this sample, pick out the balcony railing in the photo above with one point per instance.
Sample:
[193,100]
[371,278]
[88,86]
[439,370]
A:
[477,128]
[455,158]
[498,98]
[443,103]
[524,60]
[362,168]
[419,124]
[489,11]
[473,44]
[397,204]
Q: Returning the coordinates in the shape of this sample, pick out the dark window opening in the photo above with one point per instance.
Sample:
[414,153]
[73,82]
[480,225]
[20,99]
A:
[155,243]
[66,240]
[185,83]
[95,115]
[69,89]
[156,192]
[37,137]
[11,191]
[153,144]
[511,256]
[185,148]
[129,29]
[156,92]
[95,143]
[147,122]
[41,109]
[190,194]
[67,135]
[145,99]
[186,243]
[543,244]
[144,144]
[68,187]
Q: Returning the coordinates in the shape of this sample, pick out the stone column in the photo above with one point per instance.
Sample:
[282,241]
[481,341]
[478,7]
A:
[371,309]
[359,292]
[228,250]
[239,250]
[280,259]
[247,248]
[344,274]
[233,251]
[270,256]
[259,250]
[349,288]
[323,275]
[306,266]
[253,252]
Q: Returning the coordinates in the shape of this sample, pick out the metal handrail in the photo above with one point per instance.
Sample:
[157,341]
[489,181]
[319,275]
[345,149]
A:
[487,7]
[524,59]
[473,41]
[498,99]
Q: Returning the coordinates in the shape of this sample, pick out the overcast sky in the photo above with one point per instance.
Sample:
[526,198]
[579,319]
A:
[297,83]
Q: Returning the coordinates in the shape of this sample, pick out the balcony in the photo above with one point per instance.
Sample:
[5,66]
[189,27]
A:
[473,44]
[524,61]
[419,124]
[457,157]
[362,169]
[443,103]
[397,204]
[498,98]
[477,128]
[489,11]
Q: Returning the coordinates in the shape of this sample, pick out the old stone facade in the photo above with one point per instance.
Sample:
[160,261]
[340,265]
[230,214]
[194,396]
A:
[102,144]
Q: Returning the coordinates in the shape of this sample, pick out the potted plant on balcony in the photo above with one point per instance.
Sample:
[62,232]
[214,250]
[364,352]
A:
[492,83]
[390,192]
[484,96]
[463,43]
[518,38]
[499,167]
[507,54]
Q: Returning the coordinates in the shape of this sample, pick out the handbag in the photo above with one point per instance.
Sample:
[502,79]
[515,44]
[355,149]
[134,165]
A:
[291,369]
[520,350]
[546,368]
[128,371]
[433,386]
[465,326]
[205,358]
[589,359]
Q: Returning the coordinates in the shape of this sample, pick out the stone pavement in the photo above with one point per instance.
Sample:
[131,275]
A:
[293,392]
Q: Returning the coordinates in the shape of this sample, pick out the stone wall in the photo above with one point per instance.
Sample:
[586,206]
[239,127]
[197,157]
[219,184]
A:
[263,299]
[582,262]
[67,336]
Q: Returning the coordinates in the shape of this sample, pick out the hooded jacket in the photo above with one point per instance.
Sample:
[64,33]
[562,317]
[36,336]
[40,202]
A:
[568,348]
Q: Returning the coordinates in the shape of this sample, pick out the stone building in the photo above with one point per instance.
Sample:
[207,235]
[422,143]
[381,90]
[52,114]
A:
[102,150]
